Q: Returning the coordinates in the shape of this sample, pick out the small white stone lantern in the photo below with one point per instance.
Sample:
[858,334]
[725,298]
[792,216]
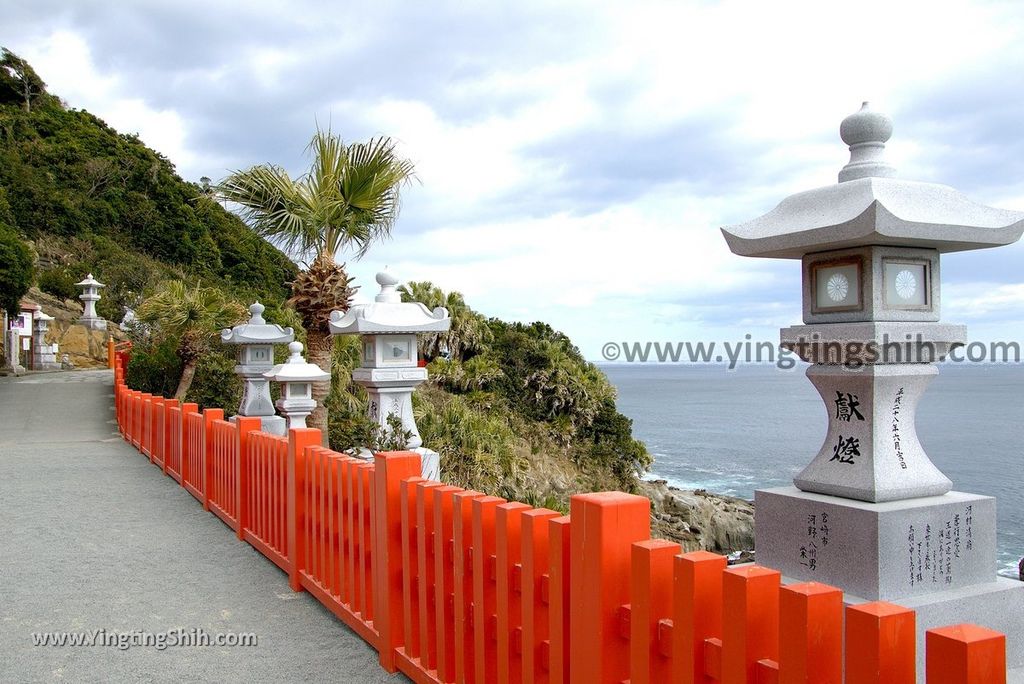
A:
[90,295]
[390,369]
[255,340]
[296,377]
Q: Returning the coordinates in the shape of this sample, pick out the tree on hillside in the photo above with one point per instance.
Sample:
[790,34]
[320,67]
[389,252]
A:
[191,316]
[18,79]
[348,199]
[468,333]
[15,269]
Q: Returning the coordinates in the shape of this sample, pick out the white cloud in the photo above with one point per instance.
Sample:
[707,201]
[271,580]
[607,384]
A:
[514,228]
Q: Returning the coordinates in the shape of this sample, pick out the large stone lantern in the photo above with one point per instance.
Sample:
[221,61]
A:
[255,340]
[390,368]
[90,295]
[296,377]
[871,513]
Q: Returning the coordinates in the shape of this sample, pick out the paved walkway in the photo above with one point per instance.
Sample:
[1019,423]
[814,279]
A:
[93,537]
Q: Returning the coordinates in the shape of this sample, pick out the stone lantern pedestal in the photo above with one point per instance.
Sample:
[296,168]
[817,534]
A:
[871,513]
[390,370]
[255,341]
[44,356]
[90,295]
[12,362]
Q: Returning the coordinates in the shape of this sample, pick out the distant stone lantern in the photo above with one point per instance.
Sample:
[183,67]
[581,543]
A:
[255,340]
[90,295]
[296,377]
[871,513]
[390,368]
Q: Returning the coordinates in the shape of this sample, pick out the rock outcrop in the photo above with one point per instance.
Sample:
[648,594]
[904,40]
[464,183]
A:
[699,520]
[85,348]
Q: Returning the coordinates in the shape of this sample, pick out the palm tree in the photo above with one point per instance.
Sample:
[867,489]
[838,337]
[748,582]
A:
[468,333]
[348,199]
[194,317]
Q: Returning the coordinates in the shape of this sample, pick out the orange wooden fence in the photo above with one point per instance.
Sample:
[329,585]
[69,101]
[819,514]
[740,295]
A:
[450,585]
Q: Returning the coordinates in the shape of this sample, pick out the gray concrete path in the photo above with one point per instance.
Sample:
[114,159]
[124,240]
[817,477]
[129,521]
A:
[93,537]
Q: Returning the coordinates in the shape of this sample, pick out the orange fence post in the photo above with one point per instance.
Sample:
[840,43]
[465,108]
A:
[535,586]
[603,529]
[209,415]
[390,469]
[696,613]
[880,644]
[166,444]
[444,580]
[810,634]
[410,561]
[246,425]
[147,425]
[110,352]
[750,597]
[508,566]
[298,440]
[425,491]
[156,447]
[485,597]
[559,608]
[965,654]
[462,512]
[651,602]
[183,465]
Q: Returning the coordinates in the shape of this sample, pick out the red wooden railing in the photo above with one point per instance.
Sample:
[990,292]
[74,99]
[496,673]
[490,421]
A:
[450,585]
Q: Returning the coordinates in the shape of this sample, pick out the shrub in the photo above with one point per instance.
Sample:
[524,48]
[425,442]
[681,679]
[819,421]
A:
[59,283]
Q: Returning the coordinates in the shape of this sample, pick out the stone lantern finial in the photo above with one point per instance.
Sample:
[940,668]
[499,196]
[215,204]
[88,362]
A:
[256,313]
[866,132]
[388,292]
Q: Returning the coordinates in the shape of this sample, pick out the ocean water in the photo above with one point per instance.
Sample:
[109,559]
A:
[732,432]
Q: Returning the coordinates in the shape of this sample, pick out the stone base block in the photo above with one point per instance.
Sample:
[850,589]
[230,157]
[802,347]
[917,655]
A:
[275,425]
[878,551]
[997,604]
[430,462]
[93,323]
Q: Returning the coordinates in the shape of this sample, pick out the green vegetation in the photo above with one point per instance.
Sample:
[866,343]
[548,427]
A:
[191,318]
[94,200]
[348,198]
[514,409]
[15,263]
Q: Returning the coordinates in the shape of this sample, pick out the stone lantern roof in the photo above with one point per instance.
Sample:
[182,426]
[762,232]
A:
[296,369]
[869,206]
[256,330]
[388,314]
[90,282]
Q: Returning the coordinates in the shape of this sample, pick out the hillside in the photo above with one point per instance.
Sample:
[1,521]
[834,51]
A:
[515,410]
[90,199]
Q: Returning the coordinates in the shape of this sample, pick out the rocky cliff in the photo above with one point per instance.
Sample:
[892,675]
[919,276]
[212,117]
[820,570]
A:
[699,520]
[85,348]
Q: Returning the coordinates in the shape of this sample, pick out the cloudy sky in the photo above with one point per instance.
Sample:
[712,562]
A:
[575,159]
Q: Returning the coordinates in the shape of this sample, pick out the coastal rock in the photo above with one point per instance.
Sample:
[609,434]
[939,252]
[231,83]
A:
[699,520]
